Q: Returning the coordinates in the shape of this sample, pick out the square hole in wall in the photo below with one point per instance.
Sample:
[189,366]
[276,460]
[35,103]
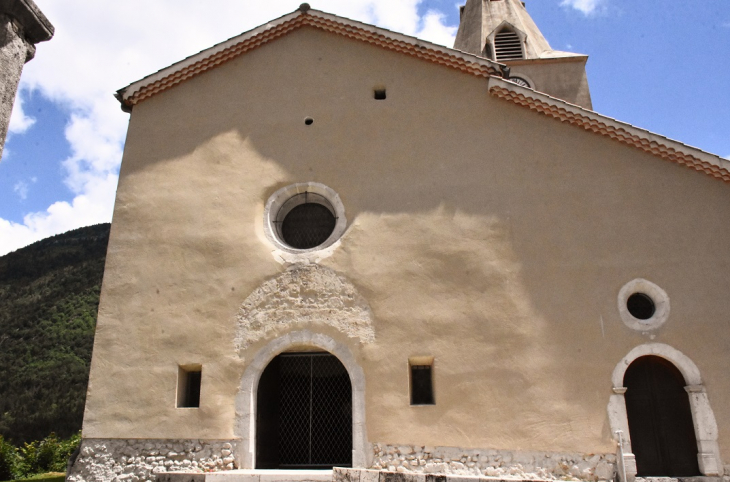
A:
[379,93]
[421,380]
[188,386]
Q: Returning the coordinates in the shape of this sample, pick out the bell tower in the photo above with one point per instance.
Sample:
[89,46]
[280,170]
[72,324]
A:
[503,31]
[22,25]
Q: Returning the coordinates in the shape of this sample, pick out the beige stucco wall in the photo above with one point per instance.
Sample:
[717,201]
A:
[479,232]
[564,78]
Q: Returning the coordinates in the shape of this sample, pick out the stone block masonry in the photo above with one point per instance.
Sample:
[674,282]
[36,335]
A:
[13,53]
[22,25]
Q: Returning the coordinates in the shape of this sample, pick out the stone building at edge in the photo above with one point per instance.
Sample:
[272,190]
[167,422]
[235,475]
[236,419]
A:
[335,245]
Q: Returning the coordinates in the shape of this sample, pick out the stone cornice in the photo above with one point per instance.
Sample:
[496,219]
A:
[36,27]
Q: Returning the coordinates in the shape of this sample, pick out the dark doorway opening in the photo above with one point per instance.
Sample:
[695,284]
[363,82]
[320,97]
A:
[304,416]
[660,419]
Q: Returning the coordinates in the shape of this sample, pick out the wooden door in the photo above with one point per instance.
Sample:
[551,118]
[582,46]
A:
[660,419]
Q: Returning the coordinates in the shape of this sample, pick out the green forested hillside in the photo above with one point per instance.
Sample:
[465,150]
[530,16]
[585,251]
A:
[49,294]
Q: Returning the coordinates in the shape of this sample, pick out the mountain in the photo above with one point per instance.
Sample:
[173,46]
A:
[49,296]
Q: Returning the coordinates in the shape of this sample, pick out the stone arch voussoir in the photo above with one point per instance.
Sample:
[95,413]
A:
[304,296]
[703,417]
[245,427]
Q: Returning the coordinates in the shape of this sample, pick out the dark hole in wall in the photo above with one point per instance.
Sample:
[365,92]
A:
[640,306]
[189,381]
[421,385]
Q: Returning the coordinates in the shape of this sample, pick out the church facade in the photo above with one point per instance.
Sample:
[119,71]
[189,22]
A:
[338,246]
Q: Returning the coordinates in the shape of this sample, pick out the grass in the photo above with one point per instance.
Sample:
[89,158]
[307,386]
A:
[49,477]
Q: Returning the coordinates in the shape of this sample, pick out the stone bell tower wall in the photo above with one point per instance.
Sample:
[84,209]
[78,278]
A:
[22,25]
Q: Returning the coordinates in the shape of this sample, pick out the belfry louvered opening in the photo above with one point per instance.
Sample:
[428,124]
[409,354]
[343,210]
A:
[507,45]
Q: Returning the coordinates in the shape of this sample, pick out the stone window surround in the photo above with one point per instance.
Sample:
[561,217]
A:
[658,296]
[280,197]
[703,417]
[245,427]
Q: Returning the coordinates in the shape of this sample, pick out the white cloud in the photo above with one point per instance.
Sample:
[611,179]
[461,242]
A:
[435,31]
[587,7]
[21,189]
[92,207]
[19,121]
[100,47]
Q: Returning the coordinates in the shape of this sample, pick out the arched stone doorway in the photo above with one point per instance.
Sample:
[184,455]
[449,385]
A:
[304,416]
[246,400]
[703,418]
[660,419]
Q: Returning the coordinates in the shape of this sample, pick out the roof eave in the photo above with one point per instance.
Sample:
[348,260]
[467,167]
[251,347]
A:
[126,95]
[642,139]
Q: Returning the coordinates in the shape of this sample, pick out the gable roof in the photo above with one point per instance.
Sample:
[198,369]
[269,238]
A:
[219,54]
[230,49]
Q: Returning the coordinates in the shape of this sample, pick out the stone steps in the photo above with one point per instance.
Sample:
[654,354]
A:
[336,475]
[365,475]
[699,478]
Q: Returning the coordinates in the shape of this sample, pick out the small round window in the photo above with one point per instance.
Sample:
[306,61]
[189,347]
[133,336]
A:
[305,221]
[304,217]
[643,306]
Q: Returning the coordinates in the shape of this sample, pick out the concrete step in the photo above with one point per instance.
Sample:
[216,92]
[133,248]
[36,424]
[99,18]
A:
[249,476]
[270,476]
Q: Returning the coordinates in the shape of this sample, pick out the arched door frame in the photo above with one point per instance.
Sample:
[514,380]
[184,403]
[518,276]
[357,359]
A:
[245,428]
[702,415]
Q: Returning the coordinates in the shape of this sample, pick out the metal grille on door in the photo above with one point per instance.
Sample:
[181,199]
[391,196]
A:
[315,411]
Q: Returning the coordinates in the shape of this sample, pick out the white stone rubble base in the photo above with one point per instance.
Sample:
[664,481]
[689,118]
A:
[493,463]
[141,460]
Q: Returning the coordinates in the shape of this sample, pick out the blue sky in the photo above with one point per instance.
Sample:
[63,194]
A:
[658,64]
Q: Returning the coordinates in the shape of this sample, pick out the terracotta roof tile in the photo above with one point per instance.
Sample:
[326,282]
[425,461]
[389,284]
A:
[627,134]
[380,37]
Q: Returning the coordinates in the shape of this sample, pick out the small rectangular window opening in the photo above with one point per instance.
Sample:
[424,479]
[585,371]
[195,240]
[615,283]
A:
[188,386]
[421,383]
[379,94]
